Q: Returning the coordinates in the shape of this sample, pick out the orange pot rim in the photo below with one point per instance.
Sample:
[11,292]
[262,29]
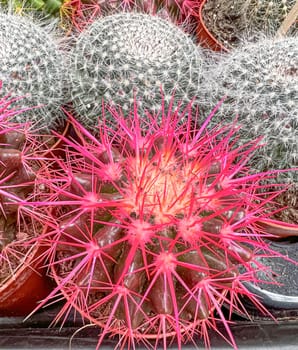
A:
[204,35]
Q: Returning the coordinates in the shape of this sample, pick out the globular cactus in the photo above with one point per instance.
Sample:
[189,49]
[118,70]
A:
[260,83]
[156,229]
[268,15]
[231,20]
[127,55]
[32,66]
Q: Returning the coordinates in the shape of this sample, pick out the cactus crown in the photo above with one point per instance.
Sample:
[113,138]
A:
[260,81]
[32,66]
[128,54]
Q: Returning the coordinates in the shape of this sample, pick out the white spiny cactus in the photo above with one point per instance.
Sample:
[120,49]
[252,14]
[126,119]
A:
[128,55]
[260,82]
[267,15]
[231,20]
[32,67]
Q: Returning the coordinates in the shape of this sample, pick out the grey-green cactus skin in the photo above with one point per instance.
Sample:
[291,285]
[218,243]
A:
[260,83]
[34,68]
[131,55]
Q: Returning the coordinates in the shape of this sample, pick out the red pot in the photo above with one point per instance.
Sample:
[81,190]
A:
[205,38]
[22,292]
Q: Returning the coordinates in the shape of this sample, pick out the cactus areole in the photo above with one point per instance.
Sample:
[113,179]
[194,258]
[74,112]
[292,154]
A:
[156,229]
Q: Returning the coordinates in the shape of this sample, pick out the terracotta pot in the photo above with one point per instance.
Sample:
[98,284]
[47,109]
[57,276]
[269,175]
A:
[205,38]
[20,294]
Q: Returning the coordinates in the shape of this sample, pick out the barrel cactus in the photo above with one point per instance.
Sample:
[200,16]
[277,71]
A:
[156,229]
[32,66]
[126,55]
[260,82]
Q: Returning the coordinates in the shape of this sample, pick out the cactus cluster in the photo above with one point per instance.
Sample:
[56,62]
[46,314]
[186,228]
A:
[260,83]
[127,55]
[154,220]
[231,20]
[32,66]
[157,229]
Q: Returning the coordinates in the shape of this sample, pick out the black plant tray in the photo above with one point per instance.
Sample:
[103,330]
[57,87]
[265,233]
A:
[35,334]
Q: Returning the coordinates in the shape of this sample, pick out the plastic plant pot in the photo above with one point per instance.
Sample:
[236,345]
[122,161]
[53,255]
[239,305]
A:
[282,295]
[36,334]
[204,37]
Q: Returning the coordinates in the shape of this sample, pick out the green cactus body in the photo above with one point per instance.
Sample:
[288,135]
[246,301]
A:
[126,55]
[260,82]
[32,67]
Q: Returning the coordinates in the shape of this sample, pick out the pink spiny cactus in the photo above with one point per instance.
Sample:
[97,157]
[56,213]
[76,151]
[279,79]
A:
[82,13]
[21,158]
[156,229]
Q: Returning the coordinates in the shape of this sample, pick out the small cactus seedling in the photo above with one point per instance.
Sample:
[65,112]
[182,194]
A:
[127,55]
[260,82]
[31,65]
[158,228]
